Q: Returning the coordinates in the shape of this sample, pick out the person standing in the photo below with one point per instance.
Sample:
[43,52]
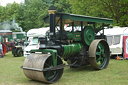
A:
[1,51]
[13,46]
[21,42]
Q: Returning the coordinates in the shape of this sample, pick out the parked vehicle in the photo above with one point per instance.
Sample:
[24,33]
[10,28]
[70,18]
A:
[33,35]
[116,39]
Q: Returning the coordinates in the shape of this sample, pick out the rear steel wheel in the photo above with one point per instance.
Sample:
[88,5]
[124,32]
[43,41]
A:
[99,54]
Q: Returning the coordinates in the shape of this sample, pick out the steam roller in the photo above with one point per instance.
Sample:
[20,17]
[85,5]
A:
[78,47]
[39,70]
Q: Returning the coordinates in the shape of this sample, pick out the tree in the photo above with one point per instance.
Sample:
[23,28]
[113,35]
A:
[30,15]
[118,10]
[34,11]
[10,11]
[62,6]
[1,13]
[115,9]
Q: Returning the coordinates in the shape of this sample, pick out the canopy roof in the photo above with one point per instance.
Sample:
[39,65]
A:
[69,18]
[114,31]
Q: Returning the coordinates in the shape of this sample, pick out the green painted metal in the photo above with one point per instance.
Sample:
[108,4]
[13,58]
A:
[77,36]
[74,17]
[49,74]
[1,38]
[101,55]
[71,49]
[52,51]
[70,35]
[89,35]
[20,36]
[9,37]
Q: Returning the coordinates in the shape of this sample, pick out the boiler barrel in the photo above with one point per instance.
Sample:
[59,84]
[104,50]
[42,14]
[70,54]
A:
[71,49]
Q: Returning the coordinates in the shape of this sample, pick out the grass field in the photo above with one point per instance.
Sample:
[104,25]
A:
[115,74]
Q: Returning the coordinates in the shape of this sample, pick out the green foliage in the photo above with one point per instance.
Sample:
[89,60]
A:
[30,15]
[115,9]
[62,6]
[1,13]
[9,11]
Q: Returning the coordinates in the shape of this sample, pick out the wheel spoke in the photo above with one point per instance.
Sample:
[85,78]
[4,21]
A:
[102,50]
[101,54]
[99,59]
[102,62]
[50,74]
[47,65]
[98,53]
[99,47]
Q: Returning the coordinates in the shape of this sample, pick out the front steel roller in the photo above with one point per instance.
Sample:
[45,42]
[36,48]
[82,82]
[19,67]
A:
[34,65]
[99,54]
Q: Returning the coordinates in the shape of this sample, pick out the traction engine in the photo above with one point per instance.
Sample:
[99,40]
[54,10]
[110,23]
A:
[77,47]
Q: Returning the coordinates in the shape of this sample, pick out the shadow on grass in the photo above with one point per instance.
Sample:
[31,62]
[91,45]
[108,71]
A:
[34,82]
[87,68]
[68,70]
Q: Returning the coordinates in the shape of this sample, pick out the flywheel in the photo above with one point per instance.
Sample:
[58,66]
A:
[99,54]
[34,65]
[88,35]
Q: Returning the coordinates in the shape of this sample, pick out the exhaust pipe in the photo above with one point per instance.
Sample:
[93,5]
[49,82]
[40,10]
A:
[52,16]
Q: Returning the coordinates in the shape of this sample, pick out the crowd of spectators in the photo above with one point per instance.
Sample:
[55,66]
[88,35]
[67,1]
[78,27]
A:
[11,45]
[17,43]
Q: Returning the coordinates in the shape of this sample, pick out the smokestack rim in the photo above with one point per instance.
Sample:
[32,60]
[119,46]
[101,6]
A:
[52,9]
